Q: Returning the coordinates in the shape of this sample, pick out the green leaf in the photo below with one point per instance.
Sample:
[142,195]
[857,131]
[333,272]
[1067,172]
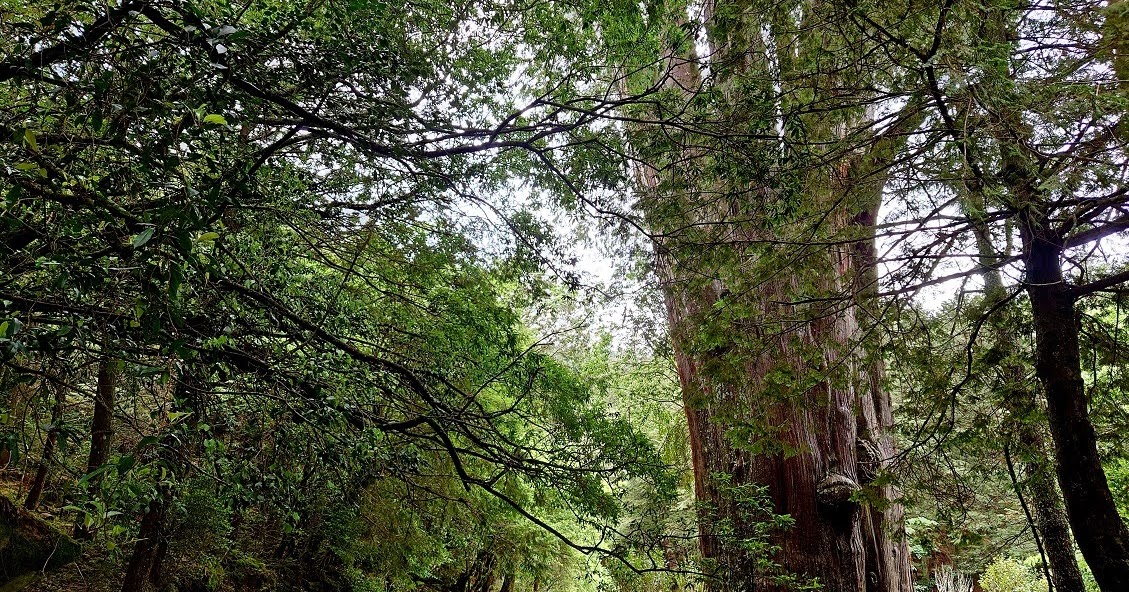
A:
[143,237]
[10,327]
[215,118]
[29,137]
[92,474]
[126,463]
[147,441]
[207,236]
[176,415]
[176,278]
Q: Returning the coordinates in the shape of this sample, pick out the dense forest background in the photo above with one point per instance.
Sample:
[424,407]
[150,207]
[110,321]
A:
[554,296]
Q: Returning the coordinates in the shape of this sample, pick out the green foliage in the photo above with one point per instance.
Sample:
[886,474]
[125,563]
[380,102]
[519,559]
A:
[269,214]
[318,242]
[1008,575]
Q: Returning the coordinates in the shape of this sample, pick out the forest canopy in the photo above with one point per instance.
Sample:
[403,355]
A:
[510,295]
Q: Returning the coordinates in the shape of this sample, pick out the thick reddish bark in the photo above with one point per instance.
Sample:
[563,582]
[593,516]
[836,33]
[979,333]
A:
[786,402]
[883,528]
[479,576]
[804,447]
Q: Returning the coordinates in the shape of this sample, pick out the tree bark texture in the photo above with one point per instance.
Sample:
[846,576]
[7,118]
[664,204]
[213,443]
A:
[35,492]
[1020,401]
[1100,531]
[813,450]
[101,429]
[781,399]
[149,538]
[1052,525]
[102,425]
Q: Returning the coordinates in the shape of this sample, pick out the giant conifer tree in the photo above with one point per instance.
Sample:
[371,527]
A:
[762,217]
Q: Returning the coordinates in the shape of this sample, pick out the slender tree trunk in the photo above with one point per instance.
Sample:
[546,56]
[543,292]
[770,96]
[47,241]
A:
[15,399]
[1049,516]
[1100,531]
[102,426]
[1050,522]
[101,429]
[157,572]
[145,564]
[149,537]
[37,486]
[5,454]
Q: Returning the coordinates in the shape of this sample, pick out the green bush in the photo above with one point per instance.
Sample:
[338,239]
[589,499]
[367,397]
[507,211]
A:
[1008,575]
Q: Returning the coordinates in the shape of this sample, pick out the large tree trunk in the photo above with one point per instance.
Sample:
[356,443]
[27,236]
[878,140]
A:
[784,406]
[479,575]
[1100,531]
[887,550]
[792,402]
[802,443]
